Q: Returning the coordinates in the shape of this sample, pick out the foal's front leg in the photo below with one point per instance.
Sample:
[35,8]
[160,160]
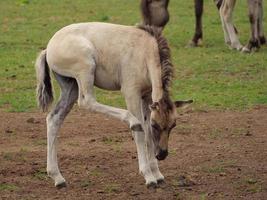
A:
[133,102]
[143,161]
[153,162]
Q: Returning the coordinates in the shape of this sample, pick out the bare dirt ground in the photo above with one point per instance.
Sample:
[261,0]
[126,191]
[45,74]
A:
[213,155]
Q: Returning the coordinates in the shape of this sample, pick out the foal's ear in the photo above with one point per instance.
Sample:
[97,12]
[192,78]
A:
[154,106]
[180,104]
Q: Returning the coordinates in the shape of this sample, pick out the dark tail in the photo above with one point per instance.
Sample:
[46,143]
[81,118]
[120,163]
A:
[44,90]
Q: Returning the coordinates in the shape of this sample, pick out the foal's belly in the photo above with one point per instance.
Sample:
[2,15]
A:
[107,80]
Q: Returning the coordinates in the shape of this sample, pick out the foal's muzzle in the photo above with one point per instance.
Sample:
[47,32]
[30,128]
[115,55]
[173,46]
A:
[162,154]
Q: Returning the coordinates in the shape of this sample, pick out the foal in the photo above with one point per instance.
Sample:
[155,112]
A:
[112,57]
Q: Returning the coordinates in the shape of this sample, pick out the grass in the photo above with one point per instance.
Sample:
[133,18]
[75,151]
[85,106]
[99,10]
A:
[95,173]
[8,156]
[8,187]
[214,76]
[110,188]
[85,183]
[214,169]
[215,134]
[40,174]
[249,184]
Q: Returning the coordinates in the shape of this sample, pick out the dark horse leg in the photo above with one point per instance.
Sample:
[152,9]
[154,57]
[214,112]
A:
[198,36]
[260,25]
[197,39]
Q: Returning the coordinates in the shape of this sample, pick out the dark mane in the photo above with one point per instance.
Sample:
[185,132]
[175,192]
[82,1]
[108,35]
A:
[164,53]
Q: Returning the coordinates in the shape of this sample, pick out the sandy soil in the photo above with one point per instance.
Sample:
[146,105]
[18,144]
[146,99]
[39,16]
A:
[213,155]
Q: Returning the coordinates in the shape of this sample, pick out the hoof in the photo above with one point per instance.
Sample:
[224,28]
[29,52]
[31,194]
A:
[152,185]
[191,44]
[246,50]
[262,40]
[136,127]
[61,185]
[160,181]
[238,48]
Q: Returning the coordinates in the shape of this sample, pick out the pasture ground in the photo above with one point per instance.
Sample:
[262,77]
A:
[222,154]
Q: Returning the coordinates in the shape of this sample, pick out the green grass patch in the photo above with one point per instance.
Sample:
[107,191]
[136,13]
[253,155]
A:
[40,174]
[95,173]
[8,187]
[86,183]
[111,188]
[214,76]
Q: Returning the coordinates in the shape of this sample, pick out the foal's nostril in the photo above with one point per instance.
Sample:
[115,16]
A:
[162,154]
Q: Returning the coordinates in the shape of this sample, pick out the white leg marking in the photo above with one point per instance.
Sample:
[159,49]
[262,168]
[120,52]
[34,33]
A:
[144,166]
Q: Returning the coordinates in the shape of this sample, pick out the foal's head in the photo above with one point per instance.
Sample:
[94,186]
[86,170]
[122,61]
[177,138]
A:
[163,120]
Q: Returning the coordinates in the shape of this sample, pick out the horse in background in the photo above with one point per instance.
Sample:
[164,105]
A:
[155,12]
[255,13]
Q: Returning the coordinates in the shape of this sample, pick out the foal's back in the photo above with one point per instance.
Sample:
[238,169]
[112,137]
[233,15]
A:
[111,50]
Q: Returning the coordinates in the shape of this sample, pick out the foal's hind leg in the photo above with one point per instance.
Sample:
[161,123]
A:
[88,101]
[69,94]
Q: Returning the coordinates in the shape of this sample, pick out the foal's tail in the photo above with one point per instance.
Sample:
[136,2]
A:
[44,90]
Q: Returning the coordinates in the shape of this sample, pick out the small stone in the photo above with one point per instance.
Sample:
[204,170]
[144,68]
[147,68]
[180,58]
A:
[222,174]
[185,182]
[135,193]
[248,134]
[9,131]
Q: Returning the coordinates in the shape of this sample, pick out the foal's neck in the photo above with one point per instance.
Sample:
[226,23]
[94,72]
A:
[156,82]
